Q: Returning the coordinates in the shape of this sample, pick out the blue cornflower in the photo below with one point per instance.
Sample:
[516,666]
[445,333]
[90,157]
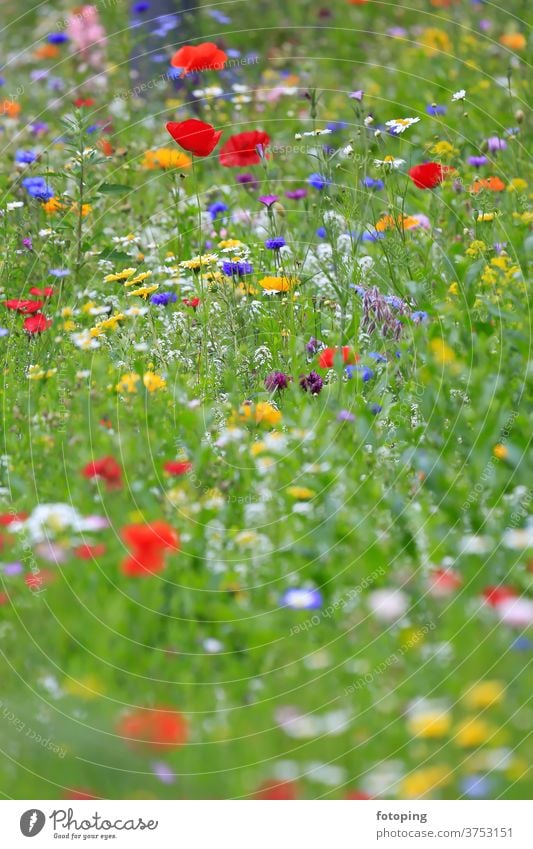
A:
[318,181]
[163,299]
[25,157]
[476,786]
[237,269]
[375,409]
[59,272]
[419,316]
[379,358]
[301,599]
[217,209]
[57,38]
[366,372]
[139,8]
[219,17]
[370,183]
[37,187]
[345,416]
[434,109]
[276,243]
[372,236]
[321,233]
[3,332]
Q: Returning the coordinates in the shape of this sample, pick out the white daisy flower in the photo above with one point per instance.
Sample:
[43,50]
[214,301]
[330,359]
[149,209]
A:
[399,125]
[390,163]
[459,95]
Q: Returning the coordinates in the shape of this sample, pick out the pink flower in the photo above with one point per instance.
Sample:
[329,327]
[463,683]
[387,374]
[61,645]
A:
[87,35]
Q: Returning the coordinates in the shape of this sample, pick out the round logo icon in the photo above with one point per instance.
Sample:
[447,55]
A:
[32,822]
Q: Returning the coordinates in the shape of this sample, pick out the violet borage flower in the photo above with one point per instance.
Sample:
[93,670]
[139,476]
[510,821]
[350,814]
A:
[275,244]
[277,381]
[236,268]
[301,599]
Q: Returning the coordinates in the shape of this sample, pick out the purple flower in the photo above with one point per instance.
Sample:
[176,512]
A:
[318,181]
[313,346]
[494,143]
[476,786]
[246,179]
[296,194]
[236,269]
[57,38]
[276,243]
[419,316]
[27,243]
[435,110]
[163,299]
[13,568]
[301,599]
[276,380]
[161,770]
[311,383]
[59,272]
[357,95]
[345,416]
[268,200]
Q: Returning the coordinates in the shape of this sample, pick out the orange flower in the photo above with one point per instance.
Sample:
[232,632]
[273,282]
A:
[203,57]
[492,184]
[46,51]
[513,40]
[9,108]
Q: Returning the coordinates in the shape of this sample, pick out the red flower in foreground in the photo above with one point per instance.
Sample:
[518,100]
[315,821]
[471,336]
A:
[429,174]
[194,136]
[83,101]
[496,595]
[241,150]
[107,468]
[148,544]
[36,323]
[192,302]
[47,292]
[178,467]
[159,727]
[277,791]
[24,305]
[327,356]
[202,57]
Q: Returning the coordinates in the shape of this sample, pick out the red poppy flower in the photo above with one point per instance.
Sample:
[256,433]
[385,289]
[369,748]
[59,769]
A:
[192,302]
[149,543]
[277,791]
[36,323]
[27,307]
[241,150]
[429,174]
[202,57]
[177,467]
[89,552]
[36,580]
[83,101]
[443,583]
[47,292]
[8,518]
[327,356]
[106,147]
[107,468]
[158,727]
[496,595]
[194,136]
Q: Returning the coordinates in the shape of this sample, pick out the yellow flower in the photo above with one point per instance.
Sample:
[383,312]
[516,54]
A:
[153,381]
[138,278]
[120,275]
[86,687]
[444,150]
[144,291]
[476,248]
[231,243]
[128,383]
[278,284]
[442,352]
[435,41]
[431,725]
[52,206]
[473,732]
[266,413]
[454,288]
[485,693]
[486,216]
[38,373]
[500,452]
[198,262]
[517,185]
[524,217]
[165,157]
[424,781]
[110,323]
[302,493]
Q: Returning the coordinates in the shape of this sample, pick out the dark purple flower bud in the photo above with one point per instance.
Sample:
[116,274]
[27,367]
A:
[276,380]
[312,383]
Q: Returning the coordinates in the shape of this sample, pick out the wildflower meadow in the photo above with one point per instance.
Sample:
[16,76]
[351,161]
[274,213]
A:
[265,499]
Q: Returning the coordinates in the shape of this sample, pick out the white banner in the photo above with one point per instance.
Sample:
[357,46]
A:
[251,825]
